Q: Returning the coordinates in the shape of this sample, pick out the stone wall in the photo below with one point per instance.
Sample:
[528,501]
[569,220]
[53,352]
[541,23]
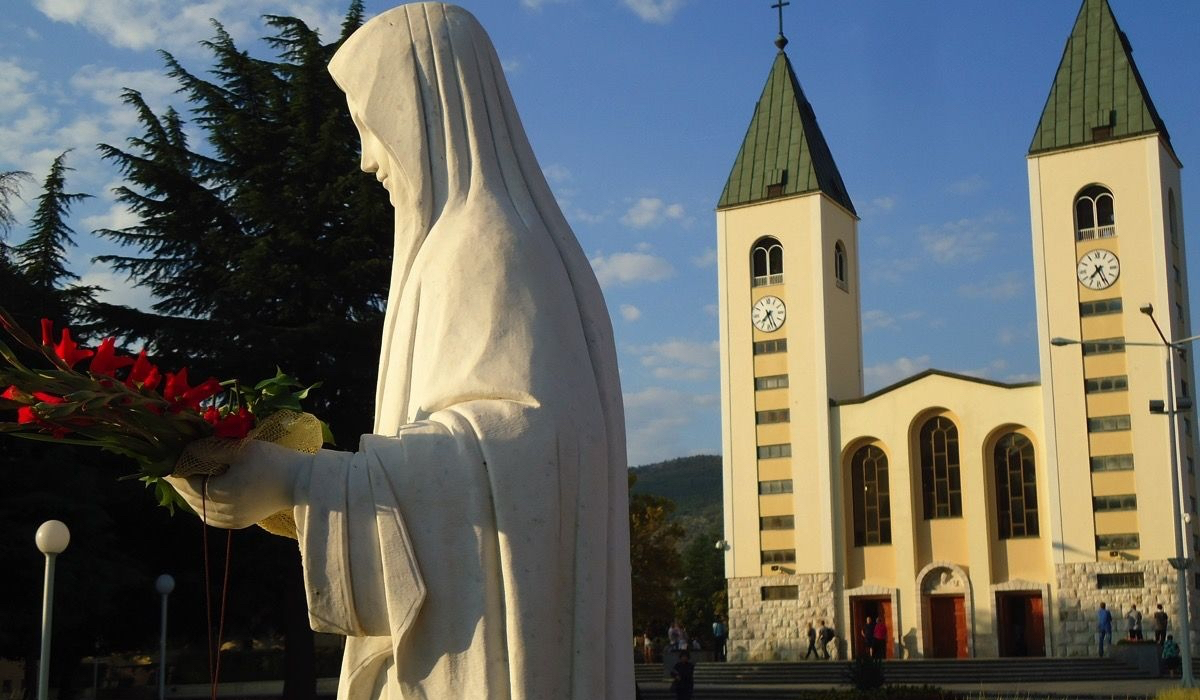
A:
[775,630]
[1079,599]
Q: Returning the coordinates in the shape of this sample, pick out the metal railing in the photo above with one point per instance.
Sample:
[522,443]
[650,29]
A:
[764,280]
[1087,234]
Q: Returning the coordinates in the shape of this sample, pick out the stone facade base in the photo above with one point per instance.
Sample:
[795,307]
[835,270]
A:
[1079,597]
[775,630]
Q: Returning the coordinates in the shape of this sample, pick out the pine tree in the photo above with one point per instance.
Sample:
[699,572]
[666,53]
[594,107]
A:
[10,188]
[264,245]
[42,258]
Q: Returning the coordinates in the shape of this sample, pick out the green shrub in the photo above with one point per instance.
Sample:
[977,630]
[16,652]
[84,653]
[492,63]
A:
[865,673]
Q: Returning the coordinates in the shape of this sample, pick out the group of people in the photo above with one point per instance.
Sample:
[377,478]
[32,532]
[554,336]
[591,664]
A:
[818,640]
[1133,629]
[874,637]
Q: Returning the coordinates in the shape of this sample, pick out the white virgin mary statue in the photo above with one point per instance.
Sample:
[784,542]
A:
[476,545]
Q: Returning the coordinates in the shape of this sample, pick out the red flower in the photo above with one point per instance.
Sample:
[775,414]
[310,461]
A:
[179,393]
[48,398]
[47,332]
[235,425]
[12,393]
[25,415]
[212,415]
[143,374]
[106,360]
[68,350]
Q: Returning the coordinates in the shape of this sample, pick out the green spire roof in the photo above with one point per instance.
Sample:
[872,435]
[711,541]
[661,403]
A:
[784,152]
[1097,94]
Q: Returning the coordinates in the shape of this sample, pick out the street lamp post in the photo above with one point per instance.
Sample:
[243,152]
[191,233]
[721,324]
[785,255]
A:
[164,585]
[1180,562]
[51,538]
[1171,407]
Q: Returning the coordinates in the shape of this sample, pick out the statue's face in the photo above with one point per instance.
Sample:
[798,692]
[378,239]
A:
[375,157]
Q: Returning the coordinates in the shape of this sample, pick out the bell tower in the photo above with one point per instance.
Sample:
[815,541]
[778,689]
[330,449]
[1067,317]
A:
[1104,186]
[787,249]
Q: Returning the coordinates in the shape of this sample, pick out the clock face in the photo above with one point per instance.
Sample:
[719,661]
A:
[768,314]
[1098,269]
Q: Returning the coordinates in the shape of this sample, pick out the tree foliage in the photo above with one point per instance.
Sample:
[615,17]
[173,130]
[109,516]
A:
[10,188]
[43,256]
[264,245]
[654,559]
[702,595]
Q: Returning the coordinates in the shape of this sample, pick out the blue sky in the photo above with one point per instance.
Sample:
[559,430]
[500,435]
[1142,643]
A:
[636,109]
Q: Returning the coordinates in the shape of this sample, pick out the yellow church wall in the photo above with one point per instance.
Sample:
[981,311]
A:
[1108,404]
[774,504]
[1113,483]
[1104,365]
[981,412]
[767,365]
[773,469]
[1114,522]
[1115,443]
[769,399]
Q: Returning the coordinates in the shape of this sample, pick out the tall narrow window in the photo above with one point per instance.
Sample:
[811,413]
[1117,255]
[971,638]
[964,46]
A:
[1016,487]
[941,484]
[872,506]
[766,262]
[1172,221]
[839,264]
[1094,214]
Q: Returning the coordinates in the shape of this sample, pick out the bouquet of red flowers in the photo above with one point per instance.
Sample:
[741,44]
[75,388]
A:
[127,405]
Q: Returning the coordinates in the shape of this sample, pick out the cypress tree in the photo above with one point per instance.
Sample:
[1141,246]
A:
[42,258]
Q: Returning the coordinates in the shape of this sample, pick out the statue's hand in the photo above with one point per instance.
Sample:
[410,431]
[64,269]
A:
[260,482]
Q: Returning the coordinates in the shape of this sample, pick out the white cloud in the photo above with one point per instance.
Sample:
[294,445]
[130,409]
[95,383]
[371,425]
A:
[655,11]
[877,319]
[651,211]
[630,268]
[510,65]
[676,359]
[1007,286]
[967,185]
[118,289]
[117,217]
[538,4]
[146,24]
[13,82]
[629,312]
[887,373]
[959,241]
[660,423]
[885,203]
[712,310]
[706,259]
[556,173]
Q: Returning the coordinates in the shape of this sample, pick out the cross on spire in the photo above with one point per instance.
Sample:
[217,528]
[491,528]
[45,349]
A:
[780,41]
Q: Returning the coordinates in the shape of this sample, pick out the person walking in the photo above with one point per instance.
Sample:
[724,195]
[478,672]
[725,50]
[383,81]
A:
[1133,623]
[811,634]
[824,637]
[682,676]
[1170,655]
[1160,625]
[719,635]
[1103,627]
[881,638]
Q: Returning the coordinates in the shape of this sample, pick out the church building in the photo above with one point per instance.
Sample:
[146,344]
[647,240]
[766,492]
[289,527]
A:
[977,518]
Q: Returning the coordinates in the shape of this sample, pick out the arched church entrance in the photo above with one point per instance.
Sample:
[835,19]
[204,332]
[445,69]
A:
[874,607]
[1020,624]
[944,608]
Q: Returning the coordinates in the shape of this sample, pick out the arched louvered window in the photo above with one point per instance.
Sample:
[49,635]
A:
[766,262]
[839,263]
[1016,487]
[870,497]
[941,482]
[1095,216]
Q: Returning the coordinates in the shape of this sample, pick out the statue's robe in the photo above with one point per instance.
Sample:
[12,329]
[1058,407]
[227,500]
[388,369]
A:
[476,546]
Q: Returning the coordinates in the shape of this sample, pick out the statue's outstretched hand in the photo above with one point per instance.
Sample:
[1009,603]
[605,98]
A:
[261,481]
